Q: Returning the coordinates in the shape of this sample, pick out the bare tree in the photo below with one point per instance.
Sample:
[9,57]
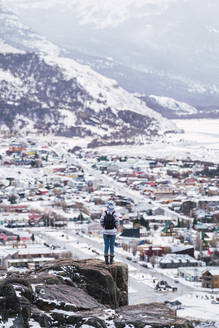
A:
[197,241]
[134,250]
[152,260]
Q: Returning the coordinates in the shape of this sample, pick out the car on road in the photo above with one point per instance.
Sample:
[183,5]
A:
[144,264]
[163,286]
[131,258]
[214,302]
[128,258]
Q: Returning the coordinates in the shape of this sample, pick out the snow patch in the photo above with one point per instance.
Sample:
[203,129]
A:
[6,48]
[69,118]
[10,78]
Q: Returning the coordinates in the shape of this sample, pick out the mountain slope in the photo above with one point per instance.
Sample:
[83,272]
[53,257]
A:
[148,81]
[161,42]
[43,92]
[173,109]
[169,107]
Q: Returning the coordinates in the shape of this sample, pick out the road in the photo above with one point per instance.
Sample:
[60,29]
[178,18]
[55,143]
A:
[118,186]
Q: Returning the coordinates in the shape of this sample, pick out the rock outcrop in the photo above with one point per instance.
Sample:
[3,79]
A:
[107,284]
[69,293]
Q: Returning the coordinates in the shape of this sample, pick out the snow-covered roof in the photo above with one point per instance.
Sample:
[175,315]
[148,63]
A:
[36,259]
[177,258]
[180,247]
[213,271]
[7,252]
[37,250]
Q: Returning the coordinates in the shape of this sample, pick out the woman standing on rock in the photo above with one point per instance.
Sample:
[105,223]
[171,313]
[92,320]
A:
[110,223]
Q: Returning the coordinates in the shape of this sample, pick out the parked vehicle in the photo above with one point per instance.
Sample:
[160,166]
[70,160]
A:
[144,264]
[163,286]
[214,302]
[128,258]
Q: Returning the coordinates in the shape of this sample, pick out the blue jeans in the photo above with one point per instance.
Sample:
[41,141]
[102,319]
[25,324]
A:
[109,242]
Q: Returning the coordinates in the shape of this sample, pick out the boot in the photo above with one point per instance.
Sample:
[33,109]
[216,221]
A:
[111,259]
[106,259]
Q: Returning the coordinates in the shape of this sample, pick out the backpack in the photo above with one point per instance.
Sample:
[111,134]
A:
[109,221]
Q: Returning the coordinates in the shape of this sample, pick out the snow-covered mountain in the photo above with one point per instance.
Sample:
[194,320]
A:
[145,82]
[179,108]
[173,109]
[168,47]
[20,36]
[169,107]
[42,91]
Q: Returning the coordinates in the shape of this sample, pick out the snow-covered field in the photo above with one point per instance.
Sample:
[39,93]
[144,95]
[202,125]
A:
[200,141]
[199,306]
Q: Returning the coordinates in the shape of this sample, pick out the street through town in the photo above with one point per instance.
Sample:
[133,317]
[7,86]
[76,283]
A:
[124,189]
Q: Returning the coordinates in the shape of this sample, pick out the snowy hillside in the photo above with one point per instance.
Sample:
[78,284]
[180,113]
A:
[159,43]
[170,106]
[173,109]
[18,35]
[43,92]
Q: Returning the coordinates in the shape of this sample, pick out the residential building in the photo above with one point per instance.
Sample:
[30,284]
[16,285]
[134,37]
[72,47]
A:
[210,278]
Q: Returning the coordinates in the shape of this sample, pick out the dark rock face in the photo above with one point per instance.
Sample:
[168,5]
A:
[68,293]
[64,298]
[154,314]
[107,284]
[13,306]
